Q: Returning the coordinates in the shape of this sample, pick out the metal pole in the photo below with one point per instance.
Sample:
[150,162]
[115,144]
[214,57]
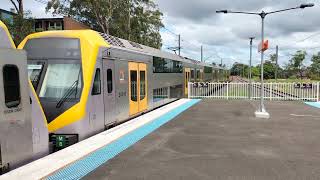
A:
[262,108]
[250,68]
[201,54]
[179,43]
[276,70]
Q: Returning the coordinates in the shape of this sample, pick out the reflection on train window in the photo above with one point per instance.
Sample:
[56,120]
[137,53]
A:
[109,81]
[162,65]
[96,89]
[34,73]
[133,85]
[62,80]
[11,83]
[142,85]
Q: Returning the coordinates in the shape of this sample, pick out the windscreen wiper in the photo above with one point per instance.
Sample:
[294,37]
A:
[69,92]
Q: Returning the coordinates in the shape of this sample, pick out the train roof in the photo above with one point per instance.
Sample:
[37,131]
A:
[106,40]
[126,44]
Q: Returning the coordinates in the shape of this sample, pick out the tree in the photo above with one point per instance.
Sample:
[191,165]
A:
[273,58]
[315,66]
[268,70]
[239,69]
[22,24]
[135,20]
[18,5]
[296,63]
[20,27]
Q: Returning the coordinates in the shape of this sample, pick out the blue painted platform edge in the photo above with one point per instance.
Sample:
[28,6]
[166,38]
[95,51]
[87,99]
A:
[84,166]
[314,104]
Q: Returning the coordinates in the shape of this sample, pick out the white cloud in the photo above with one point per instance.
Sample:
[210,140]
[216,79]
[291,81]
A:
[227,35]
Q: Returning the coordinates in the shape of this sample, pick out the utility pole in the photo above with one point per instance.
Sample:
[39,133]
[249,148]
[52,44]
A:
[201,54]
[276,70]
[179,44]
[250,68]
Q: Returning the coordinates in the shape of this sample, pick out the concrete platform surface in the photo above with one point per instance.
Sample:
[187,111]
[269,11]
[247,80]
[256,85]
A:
[223,140]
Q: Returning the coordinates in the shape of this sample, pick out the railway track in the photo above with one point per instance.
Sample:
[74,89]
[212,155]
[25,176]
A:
[273,91]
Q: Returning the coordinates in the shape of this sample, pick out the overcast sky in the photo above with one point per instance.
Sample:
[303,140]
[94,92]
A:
[226,36]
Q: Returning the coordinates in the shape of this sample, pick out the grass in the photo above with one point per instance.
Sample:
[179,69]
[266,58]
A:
[286,80]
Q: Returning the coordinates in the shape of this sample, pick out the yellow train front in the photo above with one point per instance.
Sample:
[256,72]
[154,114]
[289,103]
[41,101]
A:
[88,81]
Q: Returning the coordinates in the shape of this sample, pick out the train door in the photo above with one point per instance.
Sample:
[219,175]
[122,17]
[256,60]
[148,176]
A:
[109,91]
[16,131]
[187,73]
[138,97]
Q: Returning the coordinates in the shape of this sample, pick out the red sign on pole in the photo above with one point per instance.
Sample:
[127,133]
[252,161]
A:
[263,47]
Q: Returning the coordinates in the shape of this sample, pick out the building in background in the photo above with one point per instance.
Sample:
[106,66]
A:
[7,15]
[65,23]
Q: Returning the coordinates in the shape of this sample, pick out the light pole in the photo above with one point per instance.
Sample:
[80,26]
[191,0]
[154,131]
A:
[250,67]
[262,113]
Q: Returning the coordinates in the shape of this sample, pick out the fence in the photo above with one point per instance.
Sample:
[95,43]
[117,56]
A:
[272,91]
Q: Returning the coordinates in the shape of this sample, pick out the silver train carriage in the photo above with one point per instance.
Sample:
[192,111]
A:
[88,81]
[23,127]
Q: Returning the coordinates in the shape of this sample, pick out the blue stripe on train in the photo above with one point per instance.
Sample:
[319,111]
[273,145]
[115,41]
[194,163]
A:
[89,163]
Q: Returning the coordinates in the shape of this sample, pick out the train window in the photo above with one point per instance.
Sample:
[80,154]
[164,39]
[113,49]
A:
[133,85]
[142,85]
[11,83]
[168,66]
[62,80]
[109,81]
[198,74]
[158,65]
[177,67]
[207,69]
[161,65]
[96,88]
[192,74]
[34,73]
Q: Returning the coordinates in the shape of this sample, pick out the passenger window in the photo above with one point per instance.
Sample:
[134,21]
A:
[11,83]
[133,85]
[192,74]
[109,81]
[96,89]
[142,85]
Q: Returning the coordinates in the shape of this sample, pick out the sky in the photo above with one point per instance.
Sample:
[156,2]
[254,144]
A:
[226,36]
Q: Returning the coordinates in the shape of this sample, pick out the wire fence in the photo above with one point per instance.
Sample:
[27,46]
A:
[245,90]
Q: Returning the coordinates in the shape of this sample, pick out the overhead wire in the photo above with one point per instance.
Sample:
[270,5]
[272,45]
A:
[42,1]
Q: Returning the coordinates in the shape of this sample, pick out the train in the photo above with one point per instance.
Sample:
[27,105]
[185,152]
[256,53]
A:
[82,82]
[23,128]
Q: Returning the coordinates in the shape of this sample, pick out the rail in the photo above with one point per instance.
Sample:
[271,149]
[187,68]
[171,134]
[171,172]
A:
[243,90]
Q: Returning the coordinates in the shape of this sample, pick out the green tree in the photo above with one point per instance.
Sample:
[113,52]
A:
[239,69]
[315,66]
[20,27]
[296,63]
[273,58]
[22,23]
[135,20]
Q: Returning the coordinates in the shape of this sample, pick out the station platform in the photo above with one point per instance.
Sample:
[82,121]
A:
[223,140]
[76,161]
[195,139]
